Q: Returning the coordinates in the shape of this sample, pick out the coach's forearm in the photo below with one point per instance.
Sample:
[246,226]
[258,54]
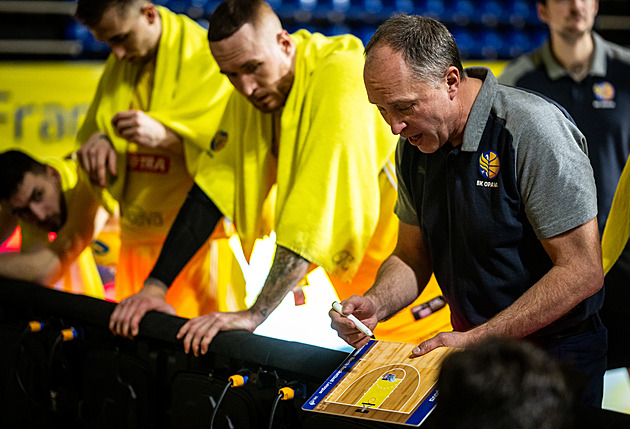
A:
[397,285]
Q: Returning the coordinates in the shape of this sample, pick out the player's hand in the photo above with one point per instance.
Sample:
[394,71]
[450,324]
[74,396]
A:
[125,319]
[199,332]
[138,127]
[98,156]
[364,310]
[445,339]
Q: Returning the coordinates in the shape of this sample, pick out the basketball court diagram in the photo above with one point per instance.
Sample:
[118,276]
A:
[381,381]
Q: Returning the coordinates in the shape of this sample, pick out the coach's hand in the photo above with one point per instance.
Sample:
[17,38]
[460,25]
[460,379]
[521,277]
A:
[98,156]
[199,332]
[125,319]
[454,339]
[364,310]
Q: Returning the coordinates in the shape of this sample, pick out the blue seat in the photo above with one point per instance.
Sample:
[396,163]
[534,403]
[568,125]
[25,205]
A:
[435,9]
[91,47]
[469,47]
[178,6]
[364,32]
[537,36]
[464,12]
[491,44]
[522,13]
[491,12]
[408,6]
[518,43]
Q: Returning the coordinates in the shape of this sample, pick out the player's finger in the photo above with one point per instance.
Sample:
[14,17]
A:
[84,159]
[117,319]
[113,319]
[186,334]
[101,168]
[129,309]
[131,134]
[121,116]
[183,330]
[208,337]
[197,335]
[135,318]
[111,163]
[193,339]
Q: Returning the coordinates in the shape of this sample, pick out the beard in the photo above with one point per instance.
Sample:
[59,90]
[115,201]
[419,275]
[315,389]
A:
[55,222]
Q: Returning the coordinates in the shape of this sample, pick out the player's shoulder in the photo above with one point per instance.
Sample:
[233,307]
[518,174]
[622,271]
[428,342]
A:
[614,51]
[517,68]
[322,52]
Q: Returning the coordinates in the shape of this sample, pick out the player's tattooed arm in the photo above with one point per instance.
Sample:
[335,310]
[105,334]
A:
[287,270]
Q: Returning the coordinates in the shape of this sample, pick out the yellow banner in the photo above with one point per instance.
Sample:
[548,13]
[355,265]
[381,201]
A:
[43,103]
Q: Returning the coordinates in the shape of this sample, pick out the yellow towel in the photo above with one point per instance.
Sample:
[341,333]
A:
[617,228]
[333,144]
[189,99]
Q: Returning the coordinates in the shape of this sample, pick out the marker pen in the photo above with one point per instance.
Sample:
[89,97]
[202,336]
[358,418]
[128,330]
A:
[360,326]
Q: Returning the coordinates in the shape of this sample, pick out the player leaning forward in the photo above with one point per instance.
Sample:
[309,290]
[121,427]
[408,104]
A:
[496,196]
[300,121]
[158,103]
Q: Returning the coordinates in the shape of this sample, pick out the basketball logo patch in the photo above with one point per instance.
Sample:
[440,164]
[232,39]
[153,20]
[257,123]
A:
[219,140]
[489,164]
[603,91]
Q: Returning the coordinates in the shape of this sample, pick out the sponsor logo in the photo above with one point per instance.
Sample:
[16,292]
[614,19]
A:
[219,140]
[604,93]
[147,163]
[489,164]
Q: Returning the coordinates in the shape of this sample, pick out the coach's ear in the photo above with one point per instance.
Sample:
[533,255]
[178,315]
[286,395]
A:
[453,79]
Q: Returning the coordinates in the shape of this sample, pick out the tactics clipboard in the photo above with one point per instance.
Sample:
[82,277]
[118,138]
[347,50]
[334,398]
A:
[380,381]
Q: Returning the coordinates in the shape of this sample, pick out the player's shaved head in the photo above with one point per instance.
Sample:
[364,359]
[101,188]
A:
[90,12]
[231,15]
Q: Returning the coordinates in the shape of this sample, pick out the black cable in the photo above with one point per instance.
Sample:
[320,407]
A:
[18,378]
[58,340]
[216,407]
[273,408]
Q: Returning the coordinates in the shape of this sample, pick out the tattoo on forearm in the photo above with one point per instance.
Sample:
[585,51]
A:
[287,270]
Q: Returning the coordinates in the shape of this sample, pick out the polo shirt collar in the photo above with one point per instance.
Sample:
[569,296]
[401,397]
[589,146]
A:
[555,71]
[481,107]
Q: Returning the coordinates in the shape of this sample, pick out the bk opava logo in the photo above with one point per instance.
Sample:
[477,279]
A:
[489,164]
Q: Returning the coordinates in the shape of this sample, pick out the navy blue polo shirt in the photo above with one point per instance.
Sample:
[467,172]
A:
[599,104]
[520,175]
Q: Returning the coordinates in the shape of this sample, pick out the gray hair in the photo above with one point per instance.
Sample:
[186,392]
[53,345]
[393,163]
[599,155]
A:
[426,45]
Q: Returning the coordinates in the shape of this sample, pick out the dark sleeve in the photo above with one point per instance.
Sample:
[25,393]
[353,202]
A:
[194,223]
